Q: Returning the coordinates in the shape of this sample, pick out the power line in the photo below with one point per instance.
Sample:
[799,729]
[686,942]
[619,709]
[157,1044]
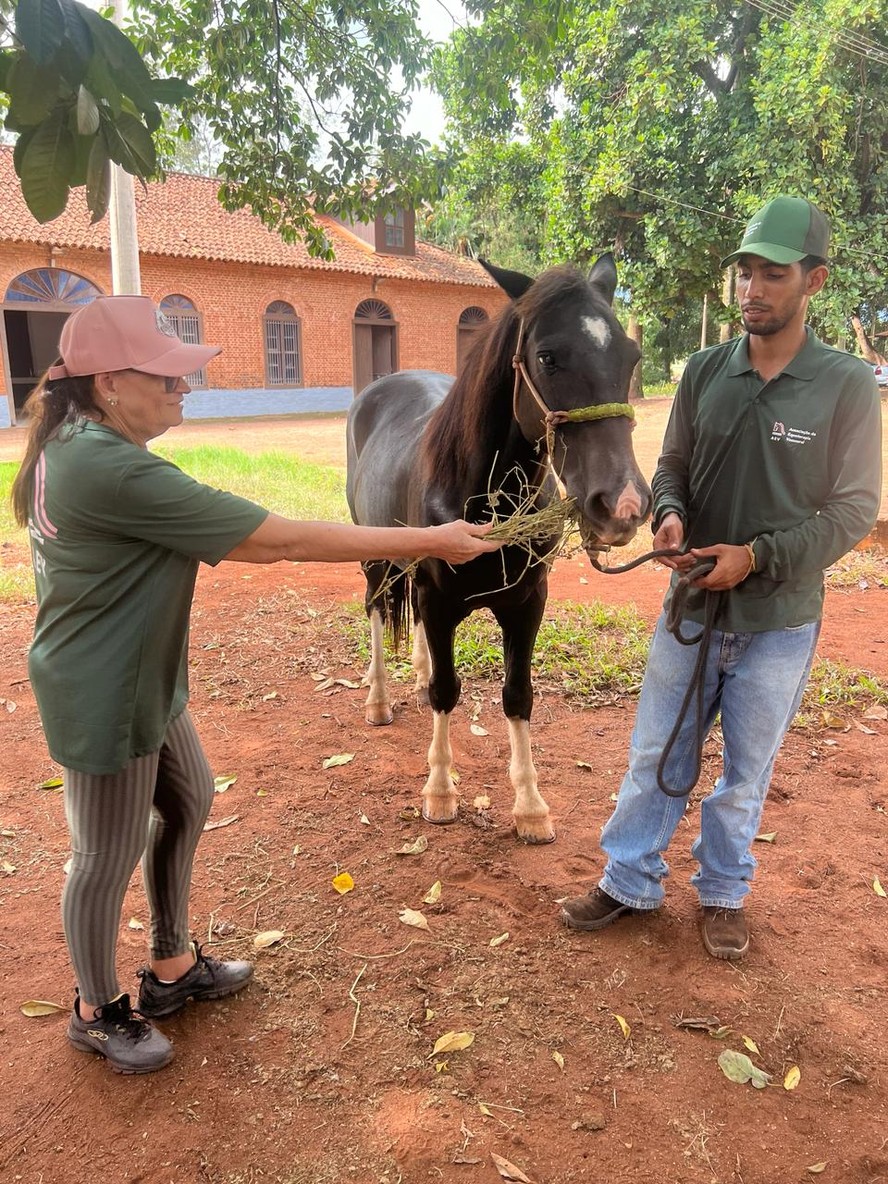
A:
[852,40]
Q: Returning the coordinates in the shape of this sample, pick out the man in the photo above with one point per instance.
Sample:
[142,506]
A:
[771,469]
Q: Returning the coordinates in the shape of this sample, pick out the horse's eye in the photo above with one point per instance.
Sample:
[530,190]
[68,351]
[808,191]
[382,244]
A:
[546,360]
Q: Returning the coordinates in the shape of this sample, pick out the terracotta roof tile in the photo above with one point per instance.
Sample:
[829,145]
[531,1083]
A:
[182,217]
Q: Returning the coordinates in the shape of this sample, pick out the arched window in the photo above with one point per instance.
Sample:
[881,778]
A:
[50,285]
[471,320]
[188,323]
[283,347]
[373,310]
[473,316]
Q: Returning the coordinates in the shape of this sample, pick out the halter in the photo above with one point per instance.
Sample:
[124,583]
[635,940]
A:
[554,419]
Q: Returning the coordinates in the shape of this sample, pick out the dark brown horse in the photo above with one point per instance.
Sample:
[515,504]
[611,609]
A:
[424,448]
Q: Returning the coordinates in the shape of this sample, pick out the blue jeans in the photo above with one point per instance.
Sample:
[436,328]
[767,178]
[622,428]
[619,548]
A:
[757,681]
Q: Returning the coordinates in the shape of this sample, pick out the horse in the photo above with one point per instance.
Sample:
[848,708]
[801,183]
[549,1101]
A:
[542,393]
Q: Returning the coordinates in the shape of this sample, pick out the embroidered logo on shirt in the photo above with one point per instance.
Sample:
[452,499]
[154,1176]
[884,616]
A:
[791,435]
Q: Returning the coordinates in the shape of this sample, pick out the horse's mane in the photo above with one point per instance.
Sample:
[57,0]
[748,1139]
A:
[474,420]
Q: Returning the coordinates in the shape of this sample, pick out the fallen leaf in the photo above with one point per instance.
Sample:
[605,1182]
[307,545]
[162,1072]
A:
[477,730]
[415,848]
[51,783]
[768,838]
[453,1042]
[705,1023]
[319,677]
[37,1007]
[816,1168]
[454,776]
[7,834]
[7,867]
[220,784]
[831,720]
[364,820]
[412,917]
[268,937]
[613,797]
[134,923]
[341,758]
[624,1027]
[722,1032]
[484,1110]
[269,696]
[583,765]
[792,1078]
[347,682]
[558,1059]
[441,1066]
[481,802]
[498,941]
[261,793]
[408,814]
[10,706]
[875,712]
[866,731]
[434,893]
[751,1045]
[324,685]
[878,889]
[221,822]
[737,1066]
[297,850]
[343,883]
[509,1171]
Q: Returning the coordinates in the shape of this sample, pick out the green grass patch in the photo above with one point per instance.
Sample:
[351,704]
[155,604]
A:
[9,531]
[280,482]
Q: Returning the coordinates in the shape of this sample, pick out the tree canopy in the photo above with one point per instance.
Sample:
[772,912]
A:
[658,129]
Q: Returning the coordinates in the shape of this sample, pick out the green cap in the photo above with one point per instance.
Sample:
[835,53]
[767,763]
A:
[784,231]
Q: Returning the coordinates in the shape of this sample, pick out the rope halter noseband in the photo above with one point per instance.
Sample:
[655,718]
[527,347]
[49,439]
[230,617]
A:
[554,419]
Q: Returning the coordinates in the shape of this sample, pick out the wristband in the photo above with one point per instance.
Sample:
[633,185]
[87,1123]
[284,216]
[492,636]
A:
[750,551]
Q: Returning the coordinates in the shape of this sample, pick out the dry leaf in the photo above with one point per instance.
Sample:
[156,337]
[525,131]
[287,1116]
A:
[319,677]
[558,1059]
[408,814]
[341,758]
[364,820]
[134,923]
[477,730]
[624,1027]
[737,1066]
[875,712]
[261,793]
[768,838]
[831,720]
[878,889]
[10,706]
[269,696]
[481,802]
[751,1045]
[412,917]
[37,1007]
[441,1066]
[434,893]
[498,941]
[583,765]
[51,783]
[347,682]
[222,822]
[269,937]
[453,1042]
[816,1168]
[7,834]
[866,731]
[484,1110]
[324,685]
[343,883]
[792,1078]
[509,1171]
[7,867]
[220,784]
[415,848]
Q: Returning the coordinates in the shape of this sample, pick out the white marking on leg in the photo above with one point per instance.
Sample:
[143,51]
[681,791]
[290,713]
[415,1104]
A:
[439,794]
[598,329]
[422,662]
[378,708]
[530,812]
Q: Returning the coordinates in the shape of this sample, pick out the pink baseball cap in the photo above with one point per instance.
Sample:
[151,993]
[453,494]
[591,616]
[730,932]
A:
[126,333]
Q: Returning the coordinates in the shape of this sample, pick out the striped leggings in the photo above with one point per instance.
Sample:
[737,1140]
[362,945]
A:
[154,808]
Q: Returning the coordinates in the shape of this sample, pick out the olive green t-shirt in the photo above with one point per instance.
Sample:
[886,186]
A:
[117,534]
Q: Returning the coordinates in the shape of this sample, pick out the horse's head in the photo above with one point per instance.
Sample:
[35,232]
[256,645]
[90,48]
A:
[574,357]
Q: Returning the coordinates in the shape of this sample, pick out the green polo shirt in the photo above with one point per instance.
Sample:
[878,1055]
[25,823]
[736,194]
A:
[117,534]
[793,463]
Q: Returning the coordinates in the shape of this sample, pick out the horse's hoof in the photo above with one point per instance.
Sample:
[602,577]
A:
[378,718]
[538,838]
[446,820]
[422,697]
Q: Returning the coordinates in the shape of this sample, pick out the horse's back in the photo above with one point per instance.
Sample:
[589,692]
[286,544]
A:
[384,426]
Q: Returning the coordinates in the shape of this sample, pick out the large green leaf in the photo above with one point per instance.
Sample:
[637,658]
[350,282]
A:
[98,180]
[33,90]
[130,145]
[7,57]
[87,113]
[124,62]
[19,151]
[47,164]
[171,90]
[40,26]
[77,30]
[100,82]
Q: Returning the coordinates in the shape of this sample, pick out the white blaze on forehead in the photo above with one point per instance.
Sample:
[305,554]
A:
[598,329]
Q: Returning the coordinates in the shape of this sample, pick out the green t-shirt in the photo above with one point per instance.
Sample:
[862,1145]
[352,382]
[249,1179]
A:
[117,534]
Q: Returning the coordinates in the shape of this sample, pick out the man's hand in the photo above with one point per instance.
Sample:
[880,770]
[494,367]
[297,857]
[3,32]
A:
[670,534]
[731,566]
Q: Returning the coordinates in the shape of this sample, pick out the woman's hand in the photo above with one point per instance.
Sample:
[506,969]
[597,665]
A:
[460,541]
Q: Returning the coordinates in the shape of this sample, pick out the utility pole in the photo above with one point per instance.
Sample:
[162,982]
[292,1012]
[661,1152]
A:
[125,275]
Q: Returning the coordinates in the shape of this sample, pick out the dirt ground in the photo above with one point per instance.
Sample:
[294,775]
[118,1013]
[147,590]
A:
[323,1071]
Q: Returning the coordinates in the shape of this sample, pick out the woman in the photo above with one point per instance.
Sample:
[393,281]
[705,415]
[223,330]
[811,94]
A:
[117,534]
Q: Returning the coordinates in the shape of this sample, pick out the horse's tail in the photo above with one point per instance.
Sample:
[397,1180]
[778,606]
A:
[389,592]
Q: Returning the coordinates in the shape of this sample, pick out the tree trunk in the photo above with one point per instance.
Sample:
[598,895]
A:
[636,332]
[864,344]
[726,332]
[704,323]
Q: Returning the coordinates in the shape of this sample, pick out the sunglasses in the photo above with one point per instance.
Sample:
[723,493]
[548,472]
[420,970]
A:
[169,384]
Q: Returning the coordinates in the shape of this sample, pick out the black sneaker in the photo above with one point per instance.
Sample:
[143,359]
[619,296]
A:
[207,979]
[129,1044]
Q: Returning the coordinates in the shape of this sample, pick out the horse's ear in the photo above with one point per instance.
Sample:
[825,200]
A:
[603,276]
[513,283]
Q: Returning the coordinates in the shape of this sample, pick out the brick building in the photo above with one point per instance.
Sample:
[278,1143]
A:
[297,333]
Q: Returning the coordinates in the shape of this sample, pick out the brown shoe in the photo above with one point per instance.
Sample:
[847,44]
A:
[725,933]
[595,910]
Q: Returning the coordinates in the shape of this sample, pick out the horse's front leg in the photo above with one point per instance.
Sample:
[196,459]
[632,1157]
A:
[440,799]
[378,707]
[520,626]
